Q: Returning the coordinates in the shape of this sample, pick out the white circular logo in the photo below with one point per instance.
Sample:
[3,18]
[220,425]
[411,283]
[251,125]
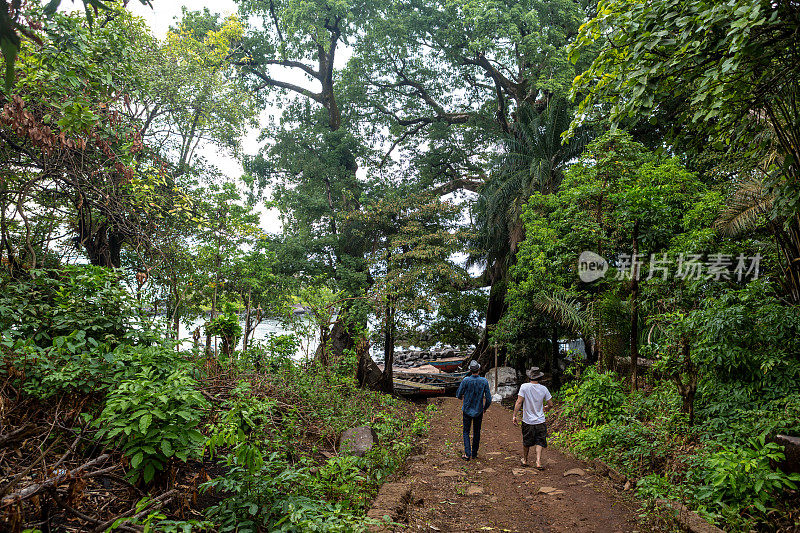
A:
[591,266]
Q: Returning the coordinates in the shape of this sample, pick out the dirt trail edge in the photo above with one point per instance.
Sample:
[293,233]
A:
[495,493]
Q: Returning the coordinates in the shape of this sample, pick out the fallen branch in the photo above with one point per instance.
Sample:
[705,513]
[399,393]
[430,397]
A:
[80,515]
[153,505]
[119,479]
[32,490]
[25,472]
[17,435]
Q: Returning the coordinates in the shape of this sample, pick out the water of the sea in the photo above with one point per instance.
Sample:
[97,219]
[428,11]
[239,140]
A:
[305,351]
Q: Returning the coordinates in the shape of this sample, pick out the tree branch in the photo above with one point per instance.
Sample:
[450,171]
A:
[272,82]
[293,64]
[457,184]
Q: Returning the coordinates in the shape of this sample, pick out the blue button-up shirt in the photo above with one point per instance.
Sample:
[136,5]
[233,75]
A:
[473,390]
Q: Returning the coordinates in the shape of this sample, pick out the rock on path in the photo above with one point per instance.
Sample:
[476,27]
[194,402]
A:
[494,493]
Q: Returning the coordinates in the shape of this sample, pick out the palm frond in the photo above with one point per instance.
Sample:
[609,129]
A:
[747,208]
[565,310]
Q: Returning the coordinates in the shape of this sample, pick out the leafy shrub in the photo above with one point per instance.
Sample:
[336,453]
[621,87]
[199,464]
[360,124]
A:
[730,415]
[268,499]
[57,303]
[240,428]
[341,479]
[742,476]
[226,327]
[596,399]
[626,443]
[275,356]
[653,486]
[273,484]
[77,364]
[152,419]
[72,330]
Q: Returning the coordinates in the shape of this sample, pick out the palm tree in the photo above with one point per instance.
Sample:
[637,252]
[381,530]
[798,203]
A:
[752,205]
[533,159]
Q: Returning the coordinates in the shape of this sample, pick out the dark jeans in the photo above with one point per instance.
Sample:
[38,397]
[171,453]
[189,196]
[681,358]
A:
[475,422]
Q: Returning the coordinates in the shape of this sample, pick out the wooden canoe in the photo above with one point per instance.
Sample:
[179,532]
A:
[449,364]
[409,388]
[447,382]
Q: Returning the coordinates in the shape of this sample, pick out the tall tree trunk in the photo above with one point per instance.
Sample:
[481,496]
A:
[555,372]
[787,236]
[103,246]
[687,388]
[550,362]
[387,379]
[210,320]
[176,321]
[495,310]
[247,321]
[635,309]
[497,297]
[216,286]
[588,347]
[324,345]
[176,318]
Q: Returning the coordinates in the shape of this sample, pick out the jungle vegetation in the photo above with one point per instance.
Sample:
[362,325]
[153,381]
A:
[437,168]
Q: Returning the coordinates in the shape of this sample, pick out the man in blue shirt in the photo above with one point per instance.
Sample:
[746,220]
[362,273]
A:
[474,390]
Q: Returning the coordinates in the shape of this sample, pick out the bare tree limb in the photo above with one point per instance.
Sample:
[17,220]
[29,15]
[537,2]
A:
[35,488]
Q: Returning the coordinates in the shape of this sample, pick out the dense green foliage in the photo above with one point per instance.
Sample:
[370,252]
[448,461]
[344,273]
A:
[151,417]
[438,169]
[147,402]
[275,484]
[723,466]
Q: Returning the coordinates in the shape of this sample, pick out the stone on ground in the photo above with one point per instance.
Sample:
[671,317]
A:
[357,441]
[552,491]
[574,472]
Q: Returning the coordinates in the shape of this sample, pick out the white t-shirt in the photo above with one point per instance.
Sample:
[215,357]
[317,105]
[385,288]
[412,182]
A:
[534,396]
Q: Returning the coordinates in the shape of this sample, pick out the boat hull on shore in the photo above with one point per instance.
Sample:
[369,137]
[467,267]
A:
[426,385]
[450,364]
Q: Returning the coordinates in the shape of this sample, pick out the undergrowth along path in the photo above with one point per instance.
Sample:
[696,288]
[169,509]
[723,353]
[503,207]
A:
[495,493]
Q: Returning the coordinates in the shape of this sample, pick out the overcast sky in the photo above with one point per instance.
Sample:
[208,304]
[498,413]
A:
[164,12]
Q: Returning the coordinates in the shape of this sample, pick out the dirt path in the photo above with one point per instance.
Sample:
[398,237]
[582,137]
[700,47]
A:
[494,493]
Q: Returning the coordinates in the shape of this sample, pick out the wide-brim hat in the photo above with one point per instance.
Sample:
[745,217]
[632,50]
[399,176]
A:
[474,366]
[533,373]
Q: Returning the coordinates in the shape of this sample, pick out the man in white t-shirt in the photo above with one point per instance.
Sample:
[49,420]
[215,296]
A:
[533,398]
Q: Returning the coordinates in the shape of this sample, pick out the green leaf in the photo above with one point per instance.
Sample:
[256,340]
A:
[9,45]
[51,7]
[149,472]
[137,460]
[166,448]
[196,436]
[144,423]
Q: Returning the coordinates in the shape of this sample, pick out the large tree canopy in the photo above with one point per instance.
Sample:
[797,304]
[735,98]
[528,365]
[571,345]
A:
[723,73]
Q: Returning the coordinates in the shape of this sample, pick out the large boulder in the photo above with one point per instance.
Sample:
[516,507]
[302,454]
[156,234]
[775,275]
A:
[357,441]
[507,383]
